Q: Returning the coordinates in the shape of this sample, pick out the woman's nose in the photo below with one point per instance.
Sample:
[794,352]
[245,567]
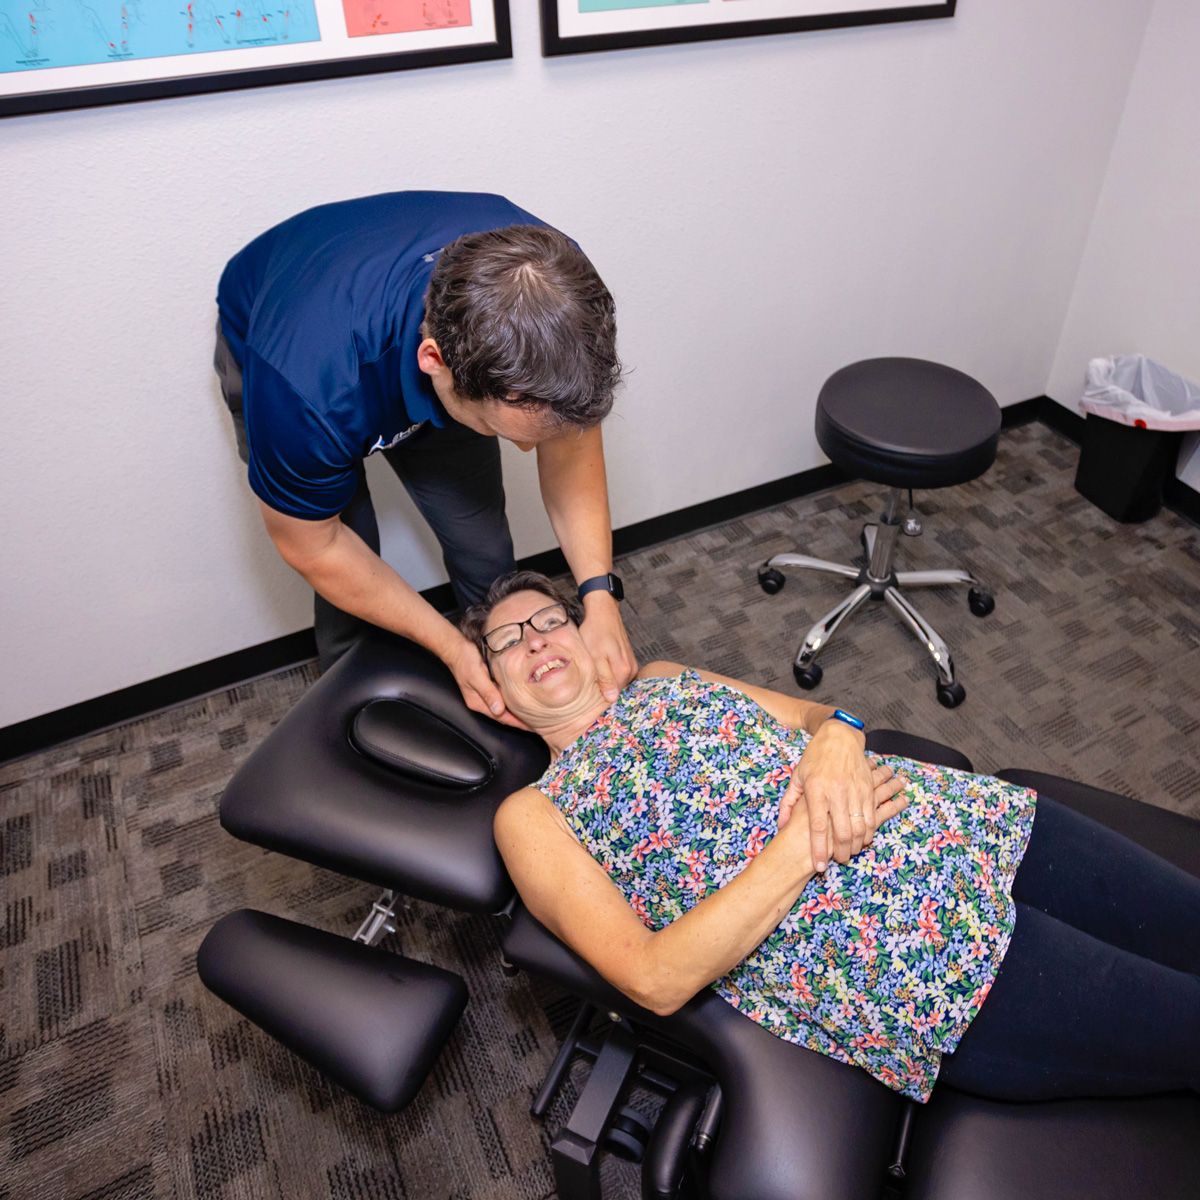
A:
[534,640]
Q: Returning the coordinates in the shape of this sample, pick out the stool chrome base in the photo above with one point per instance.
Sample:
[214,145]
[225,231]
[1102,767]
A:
[878,581]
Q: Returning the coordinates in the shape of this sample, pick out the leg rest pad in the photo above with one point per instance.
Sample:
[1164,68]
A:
[970,1149]
[372,1021]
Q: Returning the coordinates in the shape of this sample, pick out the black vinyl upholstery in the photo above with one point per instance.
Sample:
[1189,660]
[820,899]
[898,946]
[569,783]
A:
[372,1021]
[970,1149]
[308,791]
[907,423]
[844,1131]
[406,802]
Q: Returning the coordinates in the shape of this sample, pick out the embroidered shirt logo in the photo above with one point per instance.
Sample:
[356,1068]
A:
[380,444]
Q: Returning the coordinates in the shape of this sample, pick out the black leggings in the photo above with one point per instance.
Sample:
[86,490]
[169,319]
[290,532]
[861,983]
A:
[1099,993]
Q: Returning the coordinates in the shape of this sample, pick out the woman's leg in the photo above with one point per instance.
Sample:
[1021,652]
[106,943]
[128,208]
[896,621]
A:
[1069,1015]
[1084,874]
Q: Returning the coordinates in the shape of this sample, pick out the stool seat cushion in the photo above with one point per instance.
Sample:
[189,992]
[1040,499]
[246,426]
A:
[908,423]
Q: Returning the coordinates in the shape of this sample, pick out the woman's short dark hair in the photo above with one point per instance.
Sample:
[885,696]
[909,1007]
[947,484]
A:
[519,314]
[474,623]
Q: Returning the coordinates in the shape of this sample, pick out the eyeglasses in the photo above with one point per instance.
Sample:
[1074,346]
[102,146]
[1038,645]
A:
[545,620]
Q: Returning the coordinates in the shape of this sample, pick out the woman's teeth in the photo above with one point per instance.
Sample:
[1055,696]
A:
[547,666]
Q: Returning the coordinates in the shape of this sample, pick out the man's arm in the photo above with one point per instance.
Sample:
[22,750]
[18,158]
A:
[575,492]
[339,565]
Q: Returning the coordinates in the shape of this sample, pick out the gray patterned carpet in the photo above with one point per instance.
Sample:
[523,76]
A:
[122,1079]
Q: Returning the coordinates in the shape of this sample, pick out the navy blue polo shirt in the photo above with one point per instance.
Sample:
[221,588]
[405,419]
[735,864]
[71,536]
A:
[324,314]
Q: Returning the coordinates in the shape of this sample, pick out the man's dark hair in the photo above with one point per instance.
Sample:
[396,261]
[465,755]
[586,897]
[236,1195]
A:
[519,314]
[474,623]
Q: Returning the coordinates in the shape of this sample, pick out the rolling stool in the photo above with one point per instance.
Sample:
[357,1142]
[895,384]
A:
[908,424]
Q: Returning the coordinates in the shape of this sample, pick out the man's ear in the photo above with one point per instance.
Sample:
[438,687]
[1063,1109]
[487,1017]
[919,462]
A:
[429,357]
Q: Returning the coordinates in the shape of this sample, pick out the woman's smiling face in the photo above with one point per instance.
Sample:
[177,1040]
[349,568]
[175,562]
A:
[541,676]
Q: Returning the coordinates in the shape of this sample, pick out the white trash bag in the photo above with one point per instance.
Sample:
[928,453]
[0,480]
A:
[1135,390]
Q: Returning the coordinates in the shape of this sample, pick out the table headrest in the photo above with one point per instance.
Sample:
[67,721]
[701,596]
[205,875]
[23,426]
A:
[419,745]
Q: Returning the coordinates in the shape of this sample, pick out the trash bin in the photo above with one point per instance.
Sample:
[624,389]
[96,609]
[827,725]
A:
[1136,412]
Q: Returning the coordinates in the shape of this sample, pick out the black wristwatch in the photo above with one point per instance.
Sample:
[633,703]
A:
[603,583]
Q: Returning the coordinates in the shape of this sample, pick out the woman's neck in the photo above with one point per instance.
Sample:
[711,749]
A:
[570,724]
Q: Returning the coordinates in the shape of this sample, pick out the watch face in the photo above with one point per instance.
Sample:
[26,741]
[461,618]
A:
[616,587]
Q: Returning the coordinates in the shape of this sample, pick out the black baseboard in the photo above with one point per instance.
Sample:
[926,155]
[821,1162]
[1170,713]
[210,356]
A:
[140,700]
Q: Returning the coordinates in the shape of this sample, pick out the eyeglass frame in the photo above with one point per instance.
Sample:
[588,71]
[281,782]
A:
[520,626]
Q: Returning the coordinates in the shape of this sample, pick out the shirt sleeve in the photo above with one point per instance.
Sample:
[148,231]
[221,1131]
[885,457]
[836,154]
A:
[298,465]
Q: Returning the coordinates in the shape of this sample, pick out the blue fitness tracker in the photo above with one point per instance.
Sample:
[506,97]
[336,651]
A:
[840,714]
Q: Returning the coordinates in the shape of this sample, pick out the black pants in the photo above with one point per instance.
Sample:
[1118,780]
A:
[453,477]
[1099,994]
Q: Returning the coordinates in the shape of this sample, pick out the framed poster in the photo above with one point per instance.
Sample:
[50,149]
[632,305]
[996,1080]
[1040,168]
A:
[577,26]
[73,53]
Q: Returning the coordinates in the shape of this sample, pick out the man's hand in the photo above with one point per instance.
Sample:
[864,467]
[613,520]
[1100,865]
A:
[604,635]
[479,692]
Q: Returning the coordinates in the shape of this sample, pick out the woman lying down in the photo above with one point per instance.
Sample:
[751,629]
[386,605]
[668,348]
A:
[953,923]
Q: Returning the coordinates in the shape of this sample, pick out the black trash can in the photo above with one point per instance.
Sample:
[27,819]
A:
[1123,468]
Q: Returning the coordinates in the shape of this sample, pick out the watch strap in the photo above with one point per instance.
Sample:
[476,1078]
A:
[603,583]
[840,714]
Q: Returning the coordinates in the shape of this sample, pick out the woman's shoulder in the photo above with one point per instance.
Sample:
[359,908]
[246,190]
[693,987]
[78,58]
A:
[660,668]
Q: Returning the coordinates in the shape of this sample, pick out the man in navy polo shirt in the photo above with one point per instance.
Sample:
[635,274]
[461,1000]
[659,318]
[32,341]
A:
[422,326]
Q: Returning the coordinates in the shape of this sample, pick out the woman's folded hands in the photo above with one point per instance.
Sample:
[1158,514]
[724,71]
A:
[886,800]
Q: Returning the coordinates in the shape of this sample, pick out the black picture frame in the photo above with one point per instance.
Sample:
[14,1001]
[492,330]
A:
[38,100]
[554,43]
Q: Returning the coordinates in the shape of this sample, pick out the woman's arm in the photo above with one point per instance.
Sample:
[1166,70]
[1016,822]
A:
[835,771]
[572,895]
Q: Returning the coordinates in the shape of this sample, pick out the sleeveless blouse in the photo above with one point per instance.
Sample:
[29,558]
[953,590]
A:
[882,962]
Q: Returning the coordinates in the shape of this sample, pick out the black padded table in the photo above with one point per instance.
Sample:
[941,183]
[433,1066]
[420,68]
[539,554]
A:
[404,797]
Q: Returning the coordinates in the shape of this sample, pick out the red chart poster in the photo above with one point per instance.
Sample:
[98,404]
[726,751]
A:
[367,17]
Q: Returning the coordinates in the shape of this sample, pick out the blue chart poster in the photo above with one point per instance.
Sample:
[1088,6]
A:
[40,34]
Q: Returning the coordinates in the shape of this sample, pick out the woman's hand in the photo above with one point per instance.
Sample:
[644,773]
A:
[886,787]
[793,811]
[838,785]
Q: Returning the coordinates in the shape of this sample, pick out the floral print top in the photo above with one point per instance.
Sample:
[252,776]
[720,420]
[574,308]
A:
[882,962]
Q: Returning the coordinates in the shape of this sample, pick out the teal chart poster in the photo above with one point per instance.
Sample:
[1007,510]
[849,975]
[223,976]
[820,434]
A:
[41,34]
[586,6]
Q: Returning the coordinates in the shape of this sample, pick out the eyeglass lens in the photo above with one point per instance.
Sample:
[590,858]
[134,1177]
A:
[504,637]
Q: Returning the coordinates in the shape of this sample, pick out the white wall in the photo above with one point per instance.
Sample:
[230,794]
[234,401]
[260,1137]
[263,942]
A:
[764,210]
[1138,289]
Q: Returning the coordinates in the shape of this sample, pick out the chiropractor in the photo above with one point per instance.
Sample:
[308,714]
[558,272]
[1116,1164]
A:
[423,326]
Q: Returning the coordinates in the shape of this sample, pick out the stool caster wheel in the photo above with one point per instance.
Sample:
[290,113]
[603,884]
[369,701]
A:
[951,695]
[808,677]
[770,580]
[981,602]
[629,1135]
